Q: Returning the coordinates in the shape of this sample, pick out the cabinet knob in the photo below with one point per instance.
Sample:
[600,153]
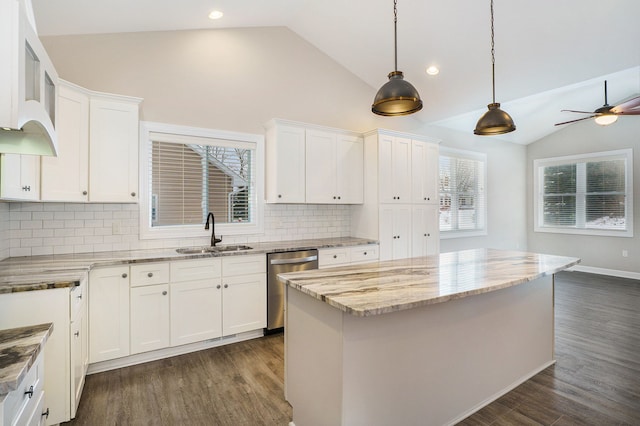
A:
[124,275]
[84,192]
[335,256]
[77,334]
[26,188]
[218,286]
[226,286]
[365,253]
[46,413]
[150,274]
[133,194]
[80,296]
[164,293]
[334,197]
[339,197]
[279,195]
[29,392]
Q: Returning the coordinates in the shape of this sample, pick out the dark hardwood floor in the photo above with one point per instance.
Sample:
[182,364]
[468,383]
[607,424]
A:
[596,380]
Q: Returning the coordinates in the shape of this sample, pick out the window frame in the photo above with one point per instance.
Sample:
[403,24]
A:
[482,211]
[538,205]
[197,135]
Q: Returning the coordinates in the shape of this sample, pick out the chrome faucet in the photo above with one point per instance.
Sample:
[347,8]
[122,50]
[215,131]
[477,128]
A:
[214,240]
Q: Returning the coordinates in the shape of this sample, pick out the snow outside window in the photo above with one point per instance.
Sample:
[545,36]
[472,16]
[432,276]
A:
[585,194]
[463,204]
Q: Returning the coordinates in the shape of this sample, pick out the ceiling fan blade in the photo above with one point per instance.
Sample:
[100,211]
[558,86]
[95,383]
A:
[634,112]
[573,110]
[626,106]
[573,121]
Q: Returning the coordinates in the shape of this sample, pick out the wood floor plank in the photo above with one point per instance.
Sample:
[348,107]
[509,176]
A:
[595,381]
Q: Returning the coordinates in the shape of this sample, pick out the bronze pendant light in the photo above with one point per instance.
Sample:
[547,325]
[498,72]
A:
[396,96]
[495,121]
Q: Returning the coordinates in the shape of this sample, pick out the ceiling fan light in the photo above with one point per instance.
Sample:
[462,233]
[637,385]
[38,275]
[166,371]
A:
[606,119]
[396,97]
[494,122]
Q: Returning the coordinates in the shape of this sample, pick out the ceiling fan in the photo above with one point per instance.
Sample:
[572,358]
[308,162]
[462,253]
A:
[608,114]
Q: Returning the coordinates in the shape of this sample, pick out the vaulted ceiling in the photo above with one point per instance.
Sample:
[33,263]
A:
[550,55]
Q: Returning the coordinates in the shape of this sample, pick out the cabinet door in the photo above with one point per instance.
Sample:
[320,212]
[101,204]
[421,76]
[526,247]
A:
[78,360]
[20,177]
[244,306]
[113,151]
[66,177]
[149,318]
[195,311]
[395,232]
[321,172]
[424,172]
[285,170]
[394,157]
[350,169]
[424,228]
[108,313]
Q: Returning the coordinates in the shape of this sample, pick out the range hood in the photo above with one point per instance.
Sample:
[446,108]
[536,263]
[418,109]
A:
[28,85]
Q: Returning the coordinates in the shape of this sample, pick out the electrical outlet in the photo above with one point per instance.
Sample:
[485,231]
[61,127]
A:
[115,227]
[625,253]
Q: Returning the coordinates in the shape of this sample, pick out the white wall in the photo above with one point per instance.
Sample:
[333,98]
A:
[506,190]
[580,138]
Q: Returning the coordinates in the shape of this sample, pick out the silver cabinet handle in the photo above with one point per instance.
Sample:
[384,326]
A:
[293,260]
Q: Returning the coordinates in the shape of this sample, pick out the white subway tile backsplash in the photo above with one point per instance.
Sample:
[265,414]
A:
[30,229]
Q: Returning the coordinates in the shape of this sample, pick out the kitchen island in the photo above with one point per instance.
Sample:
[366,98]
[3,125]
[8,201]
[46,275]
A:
[423,341]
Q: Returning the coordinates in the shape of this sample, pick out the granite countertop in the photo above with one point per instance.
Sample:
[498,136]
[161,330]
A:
[67,270]
[19,348]
[387,286]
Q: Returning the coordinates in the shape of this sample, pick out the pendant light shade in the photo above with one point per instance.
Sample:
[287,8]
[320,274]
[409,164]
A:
[396,96]
[495,121]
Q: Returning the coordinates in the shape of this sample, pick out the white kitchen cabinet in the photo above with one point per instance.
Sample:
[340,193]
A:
[20,177]
[23,406]
[334,168]
[79,338]
[285,163]
[395,231]
[150,322]
[340,256]
[108,313]
[28,308]
[196,300]
[66,177]
[424,172]
[113,148]
[244,293]
[425,238]
[394,169]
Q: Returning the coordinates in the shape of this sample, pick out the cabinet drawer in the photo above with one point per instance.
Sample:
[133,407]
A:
[243,265]
[149,273]
[20,403]
[195,269]
[366,253]
[333,257]
[78,297]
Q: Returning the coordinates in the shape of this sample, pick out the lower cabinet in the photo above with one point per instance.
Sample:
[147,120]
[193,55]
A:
[395,231]
[425,238]
[24,405]
[149,318]
[244,293]
[341,256]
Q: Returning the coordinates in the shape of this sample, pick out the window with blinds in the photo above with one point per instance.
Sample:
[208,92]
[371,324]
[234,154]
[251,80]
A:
[191,173]
[588,194]
[462,193]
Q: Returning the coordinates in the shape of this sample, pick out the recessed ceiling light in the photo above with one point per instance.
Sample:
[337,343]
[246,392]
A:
[433,70]
[216,14]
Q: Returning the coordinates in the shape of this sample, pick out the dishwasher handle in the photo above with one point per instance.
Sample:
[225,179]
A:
[294,260]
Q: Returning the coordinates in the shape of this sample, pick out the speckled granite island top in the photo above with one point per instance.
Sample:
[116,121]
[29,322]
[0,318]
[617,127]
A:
[66,270]
[19,348]
[388,286]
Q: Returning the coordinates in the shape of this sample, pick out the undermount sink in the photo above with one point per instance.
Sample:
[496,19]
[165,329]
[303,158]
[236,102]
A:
[215,249]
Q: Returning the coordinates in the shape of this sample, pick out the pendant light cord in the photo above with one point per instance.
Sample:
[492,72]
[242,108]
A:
[395,34]
[493,57]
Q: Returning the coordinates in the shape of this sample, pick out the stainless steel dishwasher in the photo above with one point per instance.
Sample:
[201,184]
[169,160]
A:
[279,263]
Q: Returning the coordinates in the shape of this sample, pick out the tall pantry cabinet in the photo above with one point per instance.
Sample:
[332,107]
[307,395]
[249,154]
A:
[401,202]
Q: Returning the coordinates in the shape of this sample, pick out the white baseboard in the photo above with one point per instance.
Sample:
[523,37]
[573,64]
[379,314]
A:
[604,271]
[127,361]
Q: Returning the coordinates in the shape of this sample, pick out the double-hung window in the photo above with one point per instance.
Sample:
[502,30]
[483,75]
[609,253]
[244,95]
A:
[463,207]
[585,194]
[187,173]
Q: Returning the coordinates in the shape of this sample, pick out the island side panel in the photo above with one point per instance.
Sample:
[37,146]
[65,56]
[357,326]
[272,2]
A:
[437,364]
[313,360]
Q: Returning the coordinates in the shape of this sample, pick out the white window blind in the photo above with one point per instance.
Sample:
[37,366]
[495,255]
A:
[587,194]
[462,192]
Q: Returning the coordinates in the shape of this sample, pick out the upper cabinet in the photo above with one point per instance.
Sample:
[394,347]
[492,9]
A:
[313,164]
[98,152]
[424,172]
[20,177]
[28,84]
[394,168]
